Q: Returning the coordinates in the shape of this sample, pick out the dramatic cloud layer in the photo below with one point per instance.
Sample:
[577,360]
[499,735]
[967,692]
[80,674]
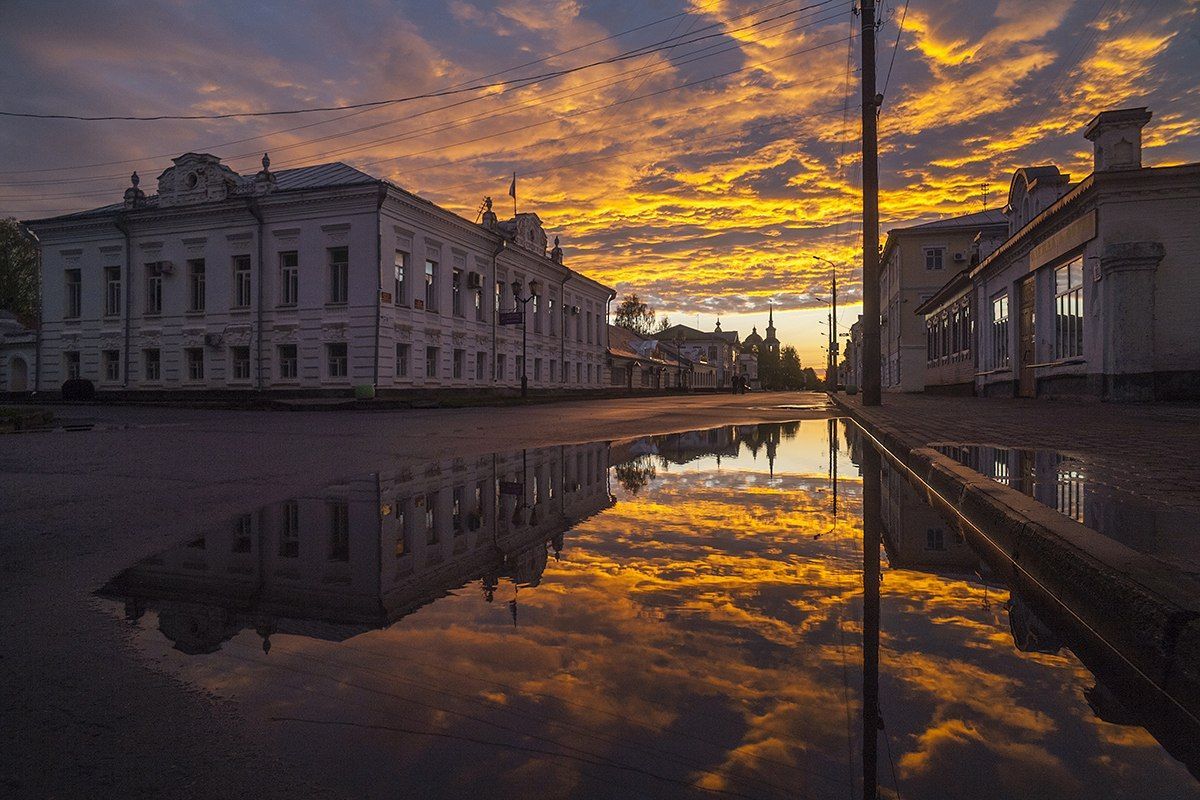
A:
[703,177]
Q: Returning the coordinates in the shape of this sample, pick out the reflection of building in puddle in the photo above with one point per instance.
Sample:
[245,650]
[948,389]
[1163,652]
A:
[1063,483]
[725,441]
[916,536]
[361,555]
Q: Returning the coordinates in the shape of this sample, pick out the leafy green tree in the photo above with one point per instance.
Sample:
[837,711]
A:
[634,315]
[18,272]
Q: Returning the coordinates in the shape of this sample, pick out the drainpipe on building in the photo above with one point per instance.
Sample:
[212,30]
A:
[562,327]
[37,340]
[255,211]
[495,311]
[379,276]
[122,225]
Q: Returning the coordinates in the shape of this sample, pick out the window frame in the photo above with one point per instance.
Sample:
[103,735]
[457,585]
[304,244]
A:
[242,280]
[289,278]
[338,271]
[197,286]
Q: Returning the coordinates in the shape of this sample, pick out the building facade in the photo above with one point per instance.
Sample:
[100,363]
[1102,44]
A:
[317,279]
[719,349]
[1093,292]
[914,264]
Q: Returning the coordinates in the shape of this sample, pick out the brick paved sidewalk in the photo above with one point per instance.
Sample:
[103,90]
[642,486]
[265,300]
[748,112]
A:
[1152,450]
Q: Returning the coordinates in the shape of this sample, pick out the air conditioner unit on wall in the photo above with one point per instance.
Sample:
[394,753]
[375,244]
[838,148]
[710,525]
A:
[475,280]
[575,311]
[959,257]
[166,267]
[418,304]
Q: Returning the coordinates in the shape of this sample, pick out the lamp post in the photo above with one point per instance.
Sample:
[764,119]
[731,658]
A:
[679,358]
[533,292]
[831,368]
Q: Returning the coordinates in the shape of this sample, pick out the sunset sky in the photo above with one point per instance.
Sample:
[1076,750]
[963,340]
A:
[703,177]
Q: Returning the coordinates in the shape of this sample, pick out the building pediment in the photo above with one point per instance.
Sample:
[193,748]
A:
[195,178]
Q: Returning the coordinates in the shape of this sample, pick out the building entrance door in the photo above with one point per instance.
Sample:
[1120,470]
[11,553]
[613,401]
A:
[1027,384]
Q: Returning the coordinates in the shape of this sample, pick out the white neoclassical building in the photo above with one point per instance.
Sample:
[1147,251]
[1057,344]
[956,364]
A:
[320,278]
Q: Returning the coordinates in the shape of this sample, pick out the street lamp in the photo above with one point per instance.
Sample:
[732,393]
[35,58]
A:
[679,358]
[831,367]
[534,287]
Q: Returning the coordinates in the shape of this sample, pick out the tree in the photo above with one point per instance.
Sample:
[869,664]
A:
[791,375]
[634,315]
[18,272]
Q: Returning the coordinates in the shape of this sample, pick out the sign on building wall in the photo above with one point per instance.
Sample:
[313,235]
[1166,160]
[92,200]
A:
[511,317]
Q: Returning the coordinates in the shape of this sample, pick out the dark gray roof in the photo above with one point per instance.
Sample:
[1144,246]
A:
[993,216]
[318,176]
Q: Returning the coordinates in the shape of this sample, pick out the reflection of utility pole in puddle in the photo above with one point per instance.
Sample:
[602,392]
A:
[872,539]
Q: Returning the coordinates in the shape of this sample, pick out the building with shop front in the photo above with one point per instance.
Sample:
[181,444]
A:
[1093,292]
[914,264]
[315,279]
[647,363]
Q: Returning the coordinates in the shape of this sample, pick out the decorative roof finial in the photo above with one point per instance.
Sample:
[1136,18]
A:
[266,162]
[556,254]
[134,197]
[134,179]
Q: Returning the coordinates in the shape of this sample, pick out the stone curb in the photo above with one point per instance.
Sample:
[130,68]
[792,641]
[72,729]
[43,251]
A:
[1148,610]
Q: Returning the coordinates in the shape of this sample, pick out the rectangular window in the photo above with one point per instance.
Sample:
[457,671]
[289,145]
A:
[430,285]
[112,291]
[480,361]
[499,296]
[335,355]
[477,297]
[935,539]
[243,535]
[550,315]
[71,359]
[459,357]
[289,530]
[500,366]
[578,372]
[339,275]
[241,282]
[537,317]
[404,520]
[589,327]
[553,364]
[154,288]
[1068,310]
[73,294]
[112,365]
[287,362]
[196,289]
[289,278]
[401,273]
[935,257]
[339,531]
[431,531]
[456,509]
[151,364]
[431,362]
[403,356]
[240,356]
[520,366]
[195,363]
[1000,331]
[537,369]
[456,277]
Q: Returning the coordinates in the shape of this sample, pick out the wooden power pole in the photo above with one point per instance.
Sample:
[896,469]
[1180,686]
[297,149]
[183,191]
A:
[871,366]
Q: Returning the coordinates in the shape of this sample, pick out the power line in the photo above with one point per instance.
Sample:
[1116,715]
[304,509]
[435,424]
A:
[692,57]
[356,113]
[517,129]
[895,48]
[660,46]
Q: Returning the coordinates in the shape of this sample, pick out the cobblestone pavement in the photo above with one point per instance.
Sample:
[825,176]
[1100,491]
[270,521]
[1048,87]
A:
[1152,450]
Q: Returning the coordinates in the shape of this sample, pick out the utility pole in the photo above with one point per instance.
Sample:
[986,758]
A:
[870,176]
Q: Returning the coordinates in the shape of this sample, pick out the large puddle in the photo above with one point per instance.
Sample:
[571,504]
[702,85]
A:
[671,616]
[1087,494]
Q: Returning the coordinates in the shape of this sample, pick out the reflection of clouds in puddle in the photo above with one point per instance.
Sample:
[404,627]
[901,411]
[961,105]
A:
[706,629]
